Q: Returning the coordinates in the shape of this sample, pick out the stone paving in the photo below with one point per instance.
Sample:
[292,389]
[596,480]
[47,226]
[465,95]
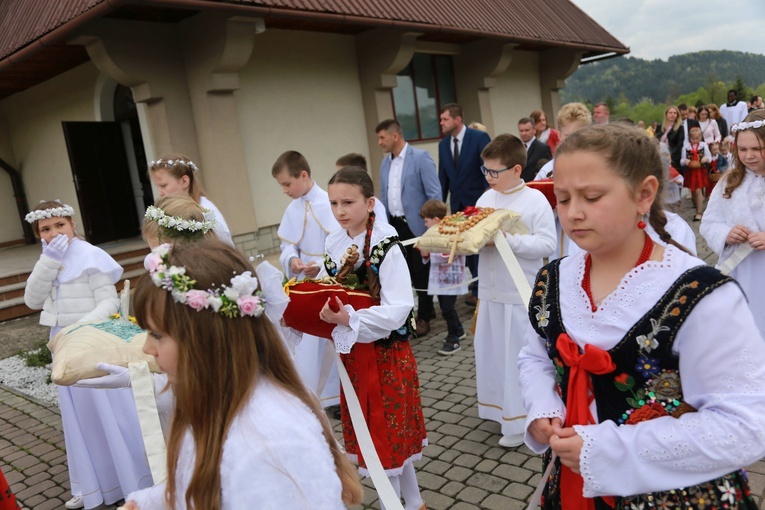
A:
[463,468]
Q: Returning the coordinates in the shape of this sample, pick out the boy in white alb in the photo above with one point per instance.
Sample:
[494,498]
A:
[303,231]
[502,314]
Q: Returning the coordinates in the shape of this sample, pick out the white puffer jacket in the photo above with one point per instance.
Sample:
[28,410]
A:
[89,295]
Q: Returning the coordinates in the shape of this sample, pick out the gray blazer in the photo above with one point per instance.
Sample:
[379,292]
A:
[419,183]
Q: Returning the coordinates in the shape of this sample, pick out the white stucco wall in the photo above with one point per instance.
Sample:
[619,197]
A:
[33,120]
[300,91]
[517,93]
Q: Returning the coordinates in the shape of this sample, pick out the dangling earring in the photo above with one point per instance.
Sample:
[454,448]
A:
[641,224]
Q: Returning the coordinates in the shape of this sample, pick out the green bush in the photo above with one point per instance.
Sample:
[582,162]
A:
[40,356]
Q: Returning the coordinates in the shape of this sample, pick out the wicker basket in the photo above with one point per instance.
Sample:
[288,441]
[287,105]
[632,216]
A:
[715,176]
[693,165]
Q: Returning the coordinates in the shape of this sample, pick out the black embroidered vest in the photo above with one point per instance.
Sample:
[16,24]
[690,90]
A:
[645,385]
[376,256]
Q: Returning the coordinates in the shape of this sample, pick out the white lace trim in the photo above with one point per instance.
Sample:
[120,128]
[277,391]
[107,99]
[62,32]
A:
[338,241]
[346,336]
[388,472]
[591,487]
[557,413]
[637,291]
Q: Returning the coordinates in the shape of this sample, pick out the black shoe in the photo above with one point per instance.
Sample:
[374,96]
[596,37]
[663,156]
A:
[423,327]
[333,411]
[451,345]
[471,300]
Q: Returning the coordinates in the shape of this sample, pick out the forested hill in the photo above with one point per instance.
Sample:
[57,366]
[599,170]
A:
[637,79]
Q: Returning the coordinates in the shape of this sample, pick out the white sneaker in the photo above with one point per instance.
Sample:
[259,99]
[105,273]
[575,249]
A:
[511,441]
[74,503]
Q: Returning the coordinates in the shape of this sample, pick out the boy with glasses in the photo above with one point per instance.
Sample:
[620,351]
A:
[502,313]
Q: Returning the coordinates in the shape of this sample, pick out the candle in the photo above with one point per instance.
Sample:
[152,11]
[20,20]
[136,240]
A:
[125,302]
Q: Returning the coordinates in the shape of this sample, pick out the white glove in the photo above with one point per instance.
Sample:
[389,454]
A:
[119,377]
[57,248]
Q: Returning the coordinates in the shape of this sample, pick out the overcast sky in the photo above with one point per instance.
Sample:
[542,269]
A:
[662,28]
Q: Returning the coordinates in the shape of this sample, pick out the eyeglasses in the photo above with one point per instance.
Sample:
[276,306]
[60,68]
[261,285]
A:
[492,173]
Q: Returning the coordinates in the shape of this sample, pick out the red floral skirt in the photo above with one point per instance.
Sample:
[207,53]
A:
[695,178]
[7,499]
[384,375]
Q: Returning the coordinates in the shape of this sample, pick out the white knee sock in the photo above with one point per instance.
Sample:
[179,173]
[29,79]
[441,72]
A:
[396,483]
[410,489]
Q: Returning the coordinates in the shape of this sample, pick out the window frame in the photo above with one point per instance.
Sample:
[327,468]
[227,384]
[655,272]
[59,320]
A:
[439,105]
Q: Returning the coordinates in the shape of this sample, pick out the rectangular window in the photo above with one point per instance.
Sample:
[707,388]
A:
[423,87]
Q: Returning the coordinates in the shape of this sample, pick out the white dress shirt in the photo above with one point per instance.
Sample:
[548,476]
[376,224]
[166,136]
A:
[460,137]
[395,180]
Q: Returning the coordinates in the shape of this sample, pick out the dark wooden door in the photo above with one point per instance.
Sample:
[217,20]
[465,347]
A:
[102,179]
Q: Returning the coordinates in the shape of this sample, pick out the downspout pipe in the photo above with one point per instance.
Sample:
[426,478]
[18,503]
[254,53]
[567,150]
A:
[21,200]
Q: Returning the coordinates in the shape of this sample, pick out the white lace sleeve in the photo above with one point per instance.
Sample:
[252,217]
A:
[714,228]
[152,498]
[345,336]
[722,366]
[537,378]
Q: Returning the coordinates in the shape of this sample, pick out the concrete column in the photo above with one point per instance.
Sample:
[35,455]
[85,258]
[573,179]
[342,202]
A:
[554,67]
[382,54]
[215,50]
[476,68]
[118,49]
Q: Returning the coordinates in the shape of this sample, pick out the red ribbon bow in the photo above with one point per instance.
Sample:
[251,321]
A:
[471,211]
[578,399]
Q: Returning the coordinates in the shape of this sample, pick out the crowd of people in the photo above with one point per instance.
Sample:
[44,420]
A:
[613,371]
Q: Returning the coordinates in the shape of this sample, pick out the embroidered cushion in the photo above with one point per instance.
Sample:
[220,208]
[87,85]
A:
[78,348]
[471,240]
[307,298]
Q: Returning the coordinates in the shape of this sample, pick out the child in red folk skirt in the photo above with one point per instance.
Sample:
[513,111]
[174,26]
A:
[374,342]
[696,158]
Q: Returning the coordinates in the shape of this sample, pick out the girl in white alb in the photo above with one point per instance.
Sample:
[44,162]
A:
[642,369]
[734,222]
[72,282]
[176,173]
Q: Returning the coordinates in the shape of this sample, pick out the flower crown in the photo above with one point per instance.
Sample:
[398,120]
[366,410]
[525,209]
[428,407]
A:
[240,298]
[747,125]
[41,214]
[177,223]
[172,162]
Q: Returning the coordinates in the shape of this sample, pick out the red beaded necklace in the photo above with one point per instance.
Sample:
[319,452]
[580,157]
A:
[644,256]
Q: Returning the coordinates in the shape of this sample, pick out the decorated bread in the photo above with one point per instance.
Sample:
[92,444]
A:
[466,232]
[78,348]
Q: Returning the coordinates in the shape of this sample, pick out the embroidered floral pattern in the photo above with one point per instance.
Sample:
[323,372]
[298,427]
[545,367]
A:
[727,492]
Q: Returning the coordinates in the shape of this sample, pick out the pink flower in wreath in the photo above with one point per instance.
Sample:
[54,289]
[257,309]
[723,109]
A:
[152,262]
[249,305]
[196,299]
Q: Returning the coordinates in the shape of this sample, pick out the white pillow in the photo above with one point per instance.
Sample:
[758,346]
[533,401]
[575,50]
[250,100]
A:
[78,348]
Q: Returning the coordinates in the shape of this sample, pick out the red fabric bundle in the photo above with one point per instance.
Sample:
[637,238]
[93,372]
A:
[546,187]
[307,298]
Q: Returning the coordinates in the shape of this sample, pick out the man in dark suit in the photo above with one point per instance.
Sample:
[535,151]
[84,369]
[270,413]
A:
[459,170]
[535,150]
[408,179]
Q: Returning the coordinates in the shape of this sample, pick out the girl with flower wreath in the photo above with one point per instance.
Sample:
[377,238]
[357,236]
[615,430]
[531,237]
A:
[734,222]
[177,174]
[374,342]
[246,433]
[643,368]
[74,282]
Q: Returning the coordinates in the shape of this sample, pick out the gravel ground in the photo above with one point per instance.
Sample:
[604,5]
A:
[15,373]
[23,335]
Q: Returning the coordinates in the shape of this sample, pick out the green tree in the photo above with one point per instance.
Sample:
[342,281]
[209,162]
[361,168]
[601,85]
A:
[744,92]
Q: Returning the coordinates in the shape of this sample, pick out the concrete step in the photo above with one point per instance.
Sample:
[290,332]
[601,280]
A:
[12,287]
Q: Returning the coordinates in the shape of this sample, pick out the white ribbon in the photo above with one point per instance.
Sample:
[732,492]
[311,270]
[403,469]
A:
[536,498]
[738,255]
[148,418]
[387,495]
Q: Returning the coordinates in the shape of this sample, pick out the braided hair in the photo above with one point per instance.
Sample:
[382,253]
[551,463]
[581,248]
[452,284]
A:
[356,176]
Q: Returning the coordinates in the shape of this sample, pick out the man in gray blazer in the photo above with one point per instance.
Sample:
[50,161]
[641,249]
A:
[408,179]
